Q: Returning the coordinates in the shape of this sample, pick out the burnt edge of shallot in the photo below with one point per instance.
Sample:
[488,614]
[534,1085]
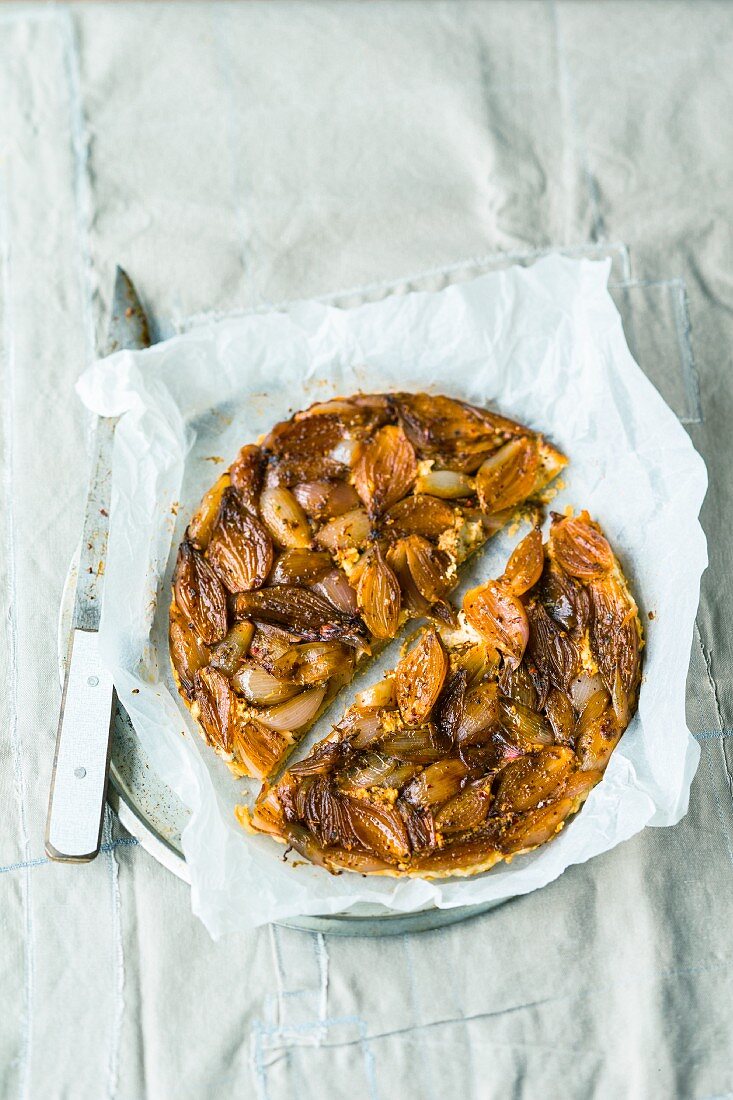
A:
[488,735]
[317,544]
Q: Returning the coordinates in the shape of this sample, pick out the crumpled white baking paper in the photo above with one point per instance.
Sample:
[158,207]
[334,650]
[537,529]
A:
[545,345]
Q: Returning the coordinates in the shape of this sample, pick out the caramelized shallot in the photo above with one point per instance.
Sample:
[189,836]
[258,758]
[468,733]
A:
[565,600]
[531,780]
[447,484]
[284,518]
[524,726]
[313,662]
[301,567]
[336,588]
[326,499]
[260,687]
[508,476]
[294,714]
[200,595]
[412,599]
[477,660]
[419,679]
[597,733]
[381,694]
[257,749]
[420,826]
[580,547]
[525,566]
[583,687]
[325,812]
[451,704]
[304,437]
[554,656]
[301,611]
[240,549]
[349,531]
[267,815]
[188,653]
[516,684]
[468,855]
[269,643]
[215,702]
[378,595]
[385,470]
[500,618]
[614,635]
[430,568]
[455,433]
[323,759]
[245,474]
[536,827]
[379,828]
[420,515]
[417,746]
[465,810]
[202,522]
[374,769]
[559,711]
[364,863]
[437,783]
[362,726]
[480,715]
[230,652]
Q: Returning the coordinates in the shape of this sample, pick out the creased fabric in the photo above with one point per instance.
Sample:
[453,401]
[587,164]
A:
[235,156]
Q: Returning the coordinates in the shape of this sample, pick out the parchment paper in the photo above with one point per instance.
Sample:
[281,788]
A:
[545,345]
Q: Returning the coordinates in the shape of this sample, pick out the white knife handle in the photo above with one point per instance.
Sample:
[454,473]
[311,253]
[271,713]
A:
[79,779]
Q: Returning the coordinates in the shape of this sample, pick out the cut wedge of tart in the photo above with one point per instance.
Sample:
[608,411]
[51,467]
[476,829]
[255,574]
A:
[318,543]
[487,736]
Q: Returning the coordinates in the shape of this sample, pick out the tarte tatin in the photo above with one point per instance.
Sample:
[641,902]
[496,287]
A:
[311,552]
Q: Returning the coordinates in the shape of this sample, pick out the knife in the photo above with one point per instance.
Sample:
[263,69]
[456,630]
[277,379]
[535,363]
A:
[88,702]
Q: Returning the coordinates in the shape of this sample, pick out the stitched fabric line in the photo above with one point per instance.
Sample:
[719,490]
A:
[277,965]
[275,1040]
[41,861]
[689,368]
[677,287]
[322,957]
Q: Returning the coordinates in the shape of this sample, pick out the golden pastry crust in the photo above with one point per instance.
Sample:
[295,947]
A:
[317,544]
[489,734]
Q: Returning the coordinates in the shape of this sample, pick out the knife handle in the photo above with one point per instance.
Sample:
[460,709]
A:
[79,779]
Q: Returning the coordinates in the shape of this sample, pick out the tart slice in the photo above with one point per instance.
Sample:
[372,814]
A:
[486,738]
[316,545]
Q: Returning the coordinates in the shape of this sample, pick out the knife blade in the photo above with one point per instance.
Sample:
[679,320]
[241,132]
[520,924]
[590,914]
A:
[83,739]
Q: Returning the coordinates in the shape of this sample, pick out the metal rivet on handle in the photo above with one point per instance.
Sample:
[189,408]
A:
[93,681]
[80,772]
